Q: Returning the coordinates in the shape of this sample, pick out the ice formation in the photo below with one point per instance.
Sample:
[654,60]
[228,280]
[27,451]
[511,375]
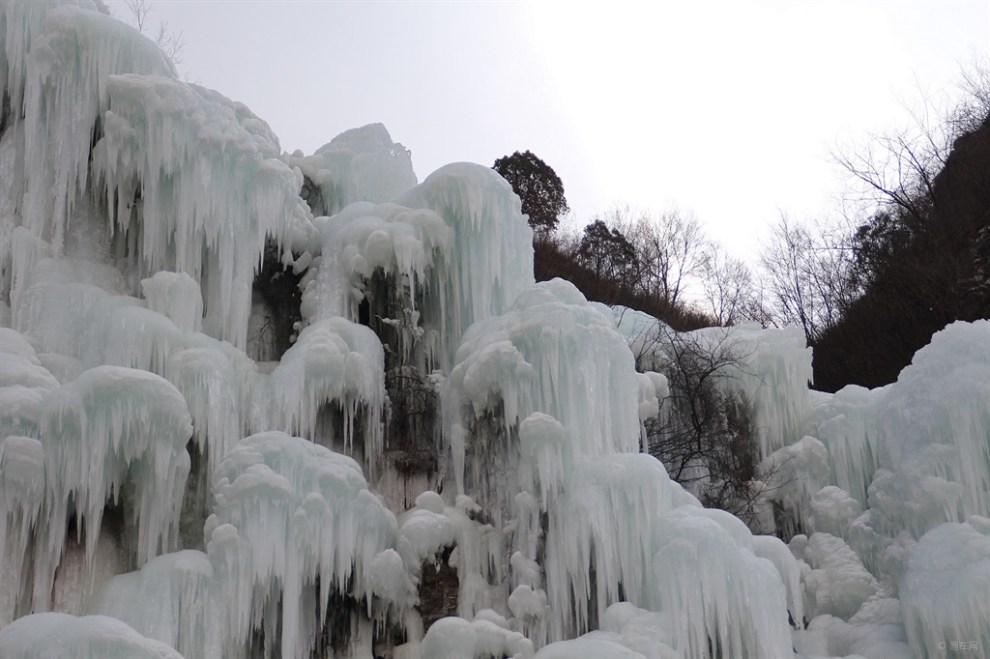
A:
[447,459]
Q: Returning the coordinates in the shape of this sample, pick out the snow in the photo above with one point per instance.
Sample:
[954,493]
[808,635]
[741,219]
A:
[456,638]
[61,636]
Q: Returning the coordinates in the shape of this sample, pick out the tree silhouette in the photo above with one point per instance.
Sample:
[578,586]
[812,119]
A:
[608,253]
[538,186]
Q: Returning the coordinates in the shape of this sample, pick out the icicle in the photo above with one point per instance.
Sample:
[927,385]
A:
[361,164]
[333,362]
[110,427]
[65,95]
[492,246]
[551,352]
[209,181]
[22,495]
[169,600]
[289,512]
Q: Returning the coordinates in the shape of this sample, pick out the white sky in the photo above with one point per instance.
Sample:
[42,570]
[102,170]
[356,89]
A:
[726,109]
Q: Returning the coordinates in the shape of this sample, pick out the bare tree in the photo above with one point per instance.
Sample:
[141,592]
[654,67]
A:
[138,13]
[705,434]
[671,247]
[807,274]
[898,169]
[728,286]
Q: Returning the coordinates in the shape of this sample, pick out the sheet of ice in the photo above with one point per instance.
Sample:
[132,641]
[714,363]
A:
[110,427]
[716,592]
[944,590]
[492,246]
[288,513]
[168,600]
[553,353]
[361,164]
[209,181]
[333,362]
[62,636]
[65,94]
[175,295]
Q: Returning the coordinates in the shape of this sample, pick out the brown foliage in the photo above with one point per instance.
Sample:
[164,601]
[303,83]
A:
[554,258]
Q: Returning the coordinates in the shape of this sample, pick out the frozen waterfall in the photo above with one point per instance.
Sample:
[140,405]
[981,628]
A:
[447,460]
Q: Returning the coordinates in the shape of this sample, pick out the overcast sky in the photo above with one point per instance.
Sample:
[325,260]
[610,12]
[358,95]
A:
[726,109]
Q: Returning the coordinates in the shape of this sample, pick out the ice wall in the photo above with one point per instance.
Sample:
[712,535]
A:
[361,164]
[193,501]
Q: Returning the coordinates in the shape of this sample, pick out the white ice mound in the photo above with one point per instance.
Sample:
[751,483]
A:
[944,592]
[917,451]
[361,164]
[112,427]
[716,592]
[333,362]
[492,245]
[24,383]
[457,638]
[62,636]
[176,296]
[600,526]
[289,514]
[168,600]
[368,245]
[935,434]
[550,352]
[194,173]
[65,66]
[846,423]
[837,584]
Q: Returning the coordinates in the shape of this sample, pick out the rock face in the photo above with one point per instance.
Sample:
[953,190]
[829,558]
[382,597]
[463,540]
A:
[962,201]
[939,276]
